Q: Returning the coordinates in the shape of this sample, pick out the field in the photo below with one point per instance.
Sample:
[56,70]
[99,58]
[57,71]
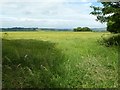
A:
[58,60]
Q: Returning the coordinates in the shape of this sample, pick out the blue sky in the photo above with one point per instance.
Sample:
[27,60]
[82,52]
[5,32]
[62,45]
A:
[48,13]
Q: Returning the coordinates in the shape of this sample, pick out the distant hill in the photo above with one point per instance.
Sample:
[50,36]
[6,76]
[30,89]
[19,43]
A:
[18,29]
[33,29]
[54,29]
[47,29]
[99,29]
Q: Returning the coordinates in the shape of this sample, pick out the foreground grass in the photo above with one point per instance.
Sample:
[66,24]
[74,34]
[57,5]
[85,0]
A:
[58,59]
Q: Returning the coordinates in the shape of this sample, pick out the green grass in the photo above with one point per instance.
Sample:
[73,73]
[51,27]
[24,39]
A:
[58,59]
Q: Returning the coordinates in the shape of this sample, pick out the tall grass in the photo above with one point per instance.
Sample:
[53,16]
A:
[58,59]
[31,63]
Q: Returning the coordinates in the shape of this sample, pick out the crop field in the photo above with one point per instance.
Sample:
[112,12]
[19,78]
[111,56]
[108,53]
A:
[58,60]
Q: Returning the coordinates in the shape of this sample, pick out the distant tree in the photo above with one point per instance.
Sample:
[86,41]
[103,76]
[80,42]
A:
[86,29]
[81,29]
[110,13]
[75,29]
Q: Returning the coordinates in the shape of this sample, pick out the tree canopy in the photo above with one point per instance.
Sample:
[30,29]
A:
[110,13]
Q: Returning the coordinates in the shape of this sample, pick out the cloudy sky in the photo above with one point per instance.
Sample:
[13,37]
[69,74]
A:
[48,13]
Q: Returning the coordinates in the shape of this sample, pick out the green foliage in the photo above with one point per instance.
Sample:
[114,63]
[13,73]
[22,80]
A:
[81,29]
[110,12]
[110,27]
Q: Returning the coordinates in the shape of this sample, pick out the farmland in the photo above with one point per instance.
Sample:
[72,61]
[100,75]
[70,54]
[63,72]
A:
[58,60]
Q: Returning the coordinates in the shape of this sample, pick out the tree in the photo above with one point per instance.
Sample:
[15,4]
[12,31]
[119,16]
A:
[110,13]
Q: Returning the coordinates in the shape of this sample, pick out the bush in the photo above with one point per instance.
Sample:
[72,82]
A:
[112,40]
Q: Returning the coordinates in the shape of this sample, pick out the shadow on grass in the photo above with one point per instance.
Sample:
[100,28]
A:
[31,64]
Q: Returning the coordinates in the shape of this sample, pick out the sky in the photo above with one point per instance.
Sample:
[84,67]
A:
[48,13]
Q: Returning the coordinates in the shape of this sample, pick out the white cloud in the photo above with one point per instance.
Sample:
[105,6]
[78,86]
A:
[48,13]
[3,1]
